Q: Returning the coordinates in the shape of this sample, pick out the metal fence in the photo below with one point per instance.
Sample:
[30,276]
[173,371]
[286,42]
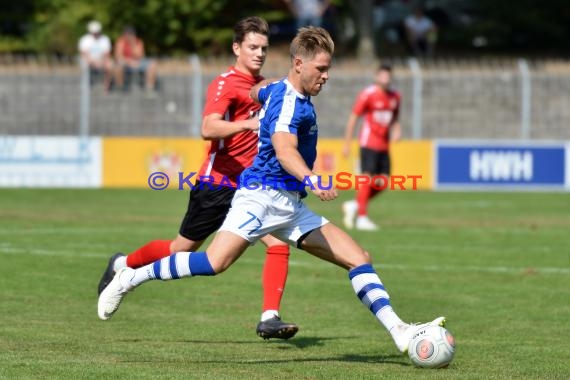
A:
[464,99]
[443,99]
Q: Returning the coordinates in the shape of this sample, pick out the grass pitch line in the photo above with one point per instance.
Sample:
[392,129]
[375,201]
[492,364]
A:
[68,230]
[440,268]
[7,249]
[474,268]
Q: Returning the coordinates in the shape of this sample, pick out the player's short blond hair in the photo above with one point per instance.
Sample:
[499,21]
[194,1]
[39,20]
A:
[310,41]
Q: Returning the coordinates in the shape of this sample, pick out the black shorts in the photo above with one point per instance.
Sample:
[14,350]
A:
[374,162]
[207,209]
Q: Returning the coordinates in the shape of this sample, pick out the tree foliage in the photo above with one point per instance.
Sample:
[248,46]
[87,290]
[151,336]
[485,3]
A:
[167,26]
[182,26]
[525,24]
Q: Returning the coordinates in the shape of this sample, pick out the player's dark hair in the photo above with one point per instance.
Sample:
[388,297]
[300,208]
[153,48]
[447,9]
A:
[248,25]
[385,67]
[129,29]
[311,40]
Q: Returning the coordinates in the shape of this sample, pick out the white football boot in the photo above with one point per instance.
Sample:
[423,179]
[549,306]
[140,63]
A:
[112,296]
[402,334]
[363,223]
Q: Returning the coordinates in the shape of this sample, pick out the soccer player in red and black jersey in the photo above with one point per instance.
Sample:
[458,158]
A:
[230,123]
[379,105]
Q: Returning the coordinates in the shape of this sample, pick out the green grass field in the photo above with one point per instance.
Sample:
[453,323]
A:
[496,264]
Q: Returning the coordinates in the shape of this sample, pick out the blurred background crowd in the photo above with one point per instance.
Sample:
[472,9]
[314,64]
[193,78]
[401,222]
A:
[367,27]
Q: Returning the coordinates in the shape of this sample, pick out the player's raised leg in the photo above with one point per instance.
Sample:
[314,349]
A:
[205,213]
[332,244]
[223,251]
[146,254]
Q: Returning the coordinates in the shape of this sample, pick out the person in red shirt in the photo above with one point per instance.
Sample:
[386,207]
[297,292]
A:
[230,123]
[130,57]
[379,105]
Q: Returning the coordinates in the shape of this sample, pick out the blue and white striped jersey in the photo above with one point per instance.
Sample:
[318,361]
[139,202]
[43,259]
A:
[283,110]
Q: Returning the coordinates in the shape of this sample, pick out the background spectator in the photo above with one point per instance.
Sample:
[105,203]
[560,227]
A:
[308,12]
[95,49]
[421,33]
[130,57]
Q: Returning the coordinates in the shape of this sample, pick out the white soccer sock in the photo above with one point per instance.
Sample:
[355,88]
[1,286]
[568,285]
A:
[175,266]
[120,262]
[140,275]
[371,292]
[268,314]
[389,318]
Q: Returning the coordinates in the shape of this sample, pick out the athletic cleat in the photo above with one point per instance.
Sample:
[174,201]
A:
[349,209]
[363,223]
[108,274]
[404,336]
[112,296]
[275,328]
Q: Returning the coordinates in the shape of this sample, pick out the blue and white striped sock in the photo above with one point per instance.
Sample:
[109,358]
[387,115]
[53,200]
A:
[371,292]
[175,266]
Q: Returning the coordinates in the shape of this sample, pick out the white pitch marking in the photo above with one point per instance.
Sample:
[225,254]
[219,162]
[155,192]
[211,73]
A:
[6,249]
[438,268]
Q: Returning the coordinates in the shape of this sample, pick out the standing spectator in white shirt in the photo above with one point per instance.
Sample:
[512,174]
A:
[95,50]
[421,33]
[308,12]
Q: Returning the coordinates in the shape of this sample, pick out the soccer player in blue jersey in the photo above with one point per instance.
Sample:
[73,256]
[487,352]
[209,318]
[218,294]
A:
[269,200]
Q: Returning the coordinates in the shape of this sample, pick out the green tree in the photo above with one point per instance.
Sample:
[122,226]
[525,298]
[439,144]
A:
[167,26]
[525,24]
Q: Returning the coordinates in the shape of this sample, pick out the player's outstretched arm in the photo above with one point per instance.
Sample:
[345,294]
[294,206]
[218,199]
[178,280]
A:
[349,132]
[214,127]
[395,131]
[285,145]
[254,92]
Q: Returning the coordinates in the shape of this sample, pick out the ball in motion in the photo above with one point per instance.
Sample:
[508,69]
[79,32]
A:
[431,347]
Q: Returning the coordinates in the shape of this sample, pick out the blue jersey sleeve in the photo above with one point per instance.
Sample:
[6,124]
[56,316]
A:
[263,93]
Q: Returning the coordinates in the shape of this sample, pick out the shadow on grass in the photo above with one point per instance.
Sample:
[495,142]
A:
[298,342]
[307,341]
[391,359]
[347,358]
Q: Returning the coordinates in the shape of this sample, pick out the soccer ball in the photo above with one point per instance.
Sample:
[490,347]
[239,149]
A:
[431,347]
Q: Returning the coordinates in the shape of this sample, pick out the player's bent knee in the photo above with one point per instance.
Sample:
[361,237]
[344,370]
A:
[182,244]
[358,259]
[219,266]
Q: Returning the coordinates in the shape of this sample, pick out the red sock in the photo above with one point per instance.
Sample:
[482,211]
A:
[362,198]
[274,276]
[149,253]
